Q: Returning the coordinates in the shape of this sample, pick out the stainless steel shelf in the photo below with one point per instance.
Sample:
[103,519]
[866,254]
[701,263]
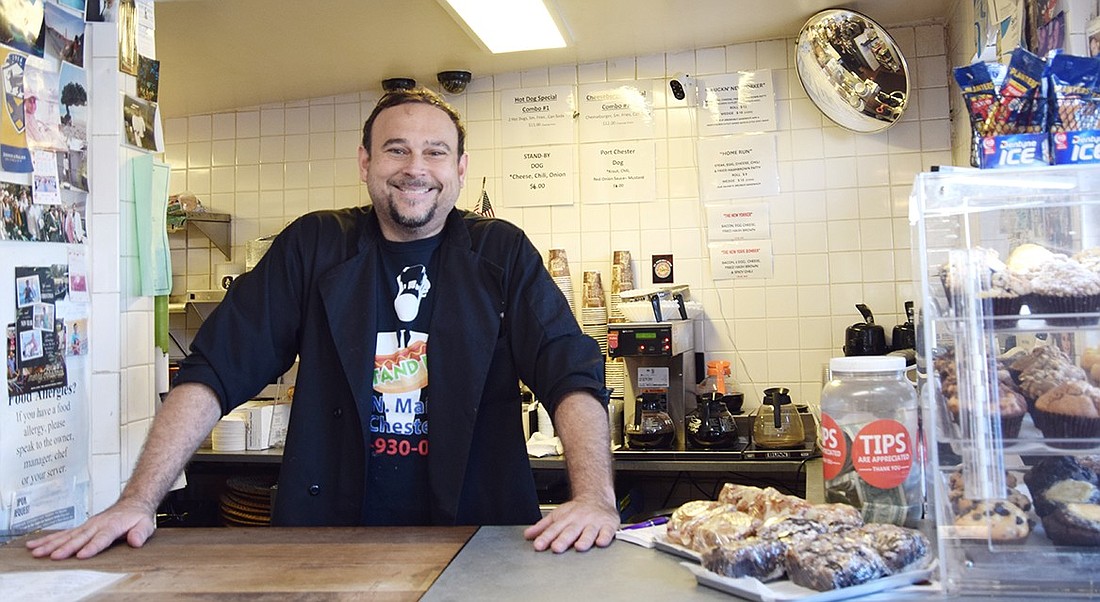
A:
[215,226]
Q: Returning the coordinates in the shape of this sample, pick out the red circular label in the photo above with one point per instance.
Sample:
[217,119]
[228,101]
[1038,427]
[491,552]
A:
[882,453]
[833,448]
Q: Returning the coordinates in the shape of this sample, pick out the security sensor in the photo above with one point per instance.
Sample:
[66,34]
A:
[684,87]
[453,82]
[395,84]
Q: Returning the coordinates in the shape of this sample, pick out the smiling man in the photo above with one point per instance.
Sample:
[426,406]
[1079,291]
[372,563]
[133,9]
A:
[362,297]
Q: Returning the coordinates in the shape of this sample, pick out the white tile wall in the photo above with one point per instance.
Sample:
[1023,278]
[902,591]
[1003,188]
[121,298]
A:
[121,321]
[839,229]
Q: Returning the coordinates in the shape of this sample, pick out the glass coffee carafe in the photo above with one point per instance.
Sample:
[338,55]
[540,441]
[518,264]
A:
[652,427]
[777,423]
[710,425]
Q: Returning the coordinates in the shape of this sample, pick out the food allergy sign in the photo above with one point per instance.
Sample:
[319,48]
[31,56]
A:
[737,103]
[535,116]
[736,260]
[536,176]
[618,172]
[737,167]
[615,112]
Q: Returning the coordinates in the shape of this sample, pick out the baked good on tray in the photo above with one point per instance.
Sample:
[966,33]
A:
[1074,524]
[752,557]
[721,528]
[1090,363]
[1042,369]
[1070,410]
[1061,285]
[1002,290]
[820,546]
[832,561]
[1058,480]
[999,521]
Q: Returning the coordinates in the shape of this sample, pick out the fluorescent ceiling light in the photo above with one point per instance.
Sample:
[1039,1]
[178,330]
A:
[509,25]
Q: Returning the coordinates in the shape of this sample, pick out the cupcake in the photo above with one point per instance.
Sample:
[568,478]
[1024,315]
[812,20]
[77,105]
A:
[1010,410]
[1001,289]
[1069,411]
[1064,286]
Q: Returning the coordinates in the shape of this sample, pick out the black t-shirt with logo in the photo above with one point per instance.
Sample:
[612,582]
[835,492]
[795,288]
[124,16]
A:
[397,473]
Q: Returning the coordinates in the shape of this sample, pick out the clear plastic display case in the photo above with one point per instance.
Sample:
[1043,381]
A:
[1009,357]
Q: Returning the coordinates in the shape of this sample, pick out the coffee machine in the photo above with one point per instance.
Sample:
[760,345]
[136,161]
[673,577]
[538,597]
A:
[659,366]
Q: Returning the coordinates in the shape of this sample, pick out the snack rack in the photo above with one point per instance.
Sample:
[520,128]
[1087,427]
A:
[956,214]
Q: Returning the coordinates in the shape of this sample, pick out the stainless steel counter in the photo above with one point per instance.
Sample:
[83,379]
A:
[498,564]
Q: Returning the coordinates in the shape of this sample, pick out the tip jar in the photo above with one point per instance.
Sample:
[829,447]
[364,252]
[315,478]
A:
[870,443]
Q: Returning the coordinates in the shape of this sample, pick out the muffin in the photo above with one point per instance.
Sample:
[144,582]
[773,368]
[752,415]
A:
[1070,410]
[1064,286]
[1090,363]
[1001,290]
[1074,524]
[1011,408]
[1044,368]
[999,521]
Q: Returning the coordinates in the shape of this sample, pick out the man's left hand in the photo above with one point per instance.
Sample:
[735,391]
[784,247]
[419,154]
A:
[576,524]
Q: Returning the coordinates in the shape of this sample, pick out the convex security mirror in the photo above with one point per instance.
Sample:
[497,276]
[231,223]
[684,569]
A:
[852,70]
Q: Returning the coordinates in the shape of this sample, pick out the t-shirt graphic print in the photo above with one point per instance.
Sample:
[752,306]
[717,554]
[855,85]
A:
[397,487]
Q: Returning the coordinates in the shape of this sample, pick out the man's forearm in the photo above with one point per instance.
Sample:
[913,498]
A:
[580,420]
[182,422]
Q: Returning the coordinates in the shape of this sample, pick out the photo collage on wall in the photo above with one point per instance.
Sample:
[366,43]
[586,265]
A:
[43,121]
[46,330]
[140,120]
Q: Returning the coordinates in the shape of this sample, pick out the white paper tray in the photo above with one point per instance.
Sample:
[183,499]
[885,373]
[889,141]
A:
[662,543]
[784,591]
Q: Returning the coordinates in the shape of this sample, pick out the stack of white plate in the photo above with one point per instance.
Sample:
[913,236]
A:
[594,324]
[615,376]
[229,434]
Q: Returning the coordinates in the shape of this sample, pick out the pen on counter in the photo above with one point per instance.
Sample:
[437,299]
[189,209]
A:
[653,522]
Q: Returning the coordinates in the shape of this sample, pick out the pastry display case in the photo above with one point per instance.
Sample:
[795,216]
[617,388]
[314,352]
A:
[1008,264]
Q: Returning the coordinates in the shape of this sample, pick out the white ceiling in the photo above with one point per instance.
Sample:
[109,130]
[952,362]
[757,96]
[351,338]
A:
[222,54]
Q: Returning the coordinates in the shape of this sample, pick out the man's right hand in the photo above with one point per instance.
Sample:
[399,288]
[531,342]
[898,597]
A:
[134,521]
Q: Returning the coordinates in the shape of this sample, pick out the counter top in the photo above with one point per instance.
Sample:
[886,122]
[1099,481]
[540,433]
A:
[499,564]
[282,563]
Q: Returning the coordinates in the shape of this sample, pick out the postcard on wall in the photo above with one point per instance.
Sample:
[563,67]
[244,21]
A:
[42,104]
[21,25]
[45,188]
[14,156]
[618,172]
[73,82]
[748,221]
[148,81]
[64,35]
[737,103]
[610,111]
[537,116]
[40,360]
[735,260]
[736,167]
[127,37]
[537,176]
[138,121]
[72,170]
[78,276]
[101,11]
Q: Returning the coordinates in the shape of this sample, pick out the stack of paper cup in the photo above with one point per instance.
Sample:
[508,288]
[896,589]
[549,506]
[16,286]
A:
[558,265]
[594,310]
[229,434]
[622,279]
[615,376]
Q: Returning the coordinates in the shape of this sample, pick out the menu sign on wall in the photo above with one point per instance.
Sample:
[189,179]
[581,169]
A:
[737,167]
[735,260]
[618,172]
[537,175]
[738,222]
[615,112]
[738,103]
[537,116]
